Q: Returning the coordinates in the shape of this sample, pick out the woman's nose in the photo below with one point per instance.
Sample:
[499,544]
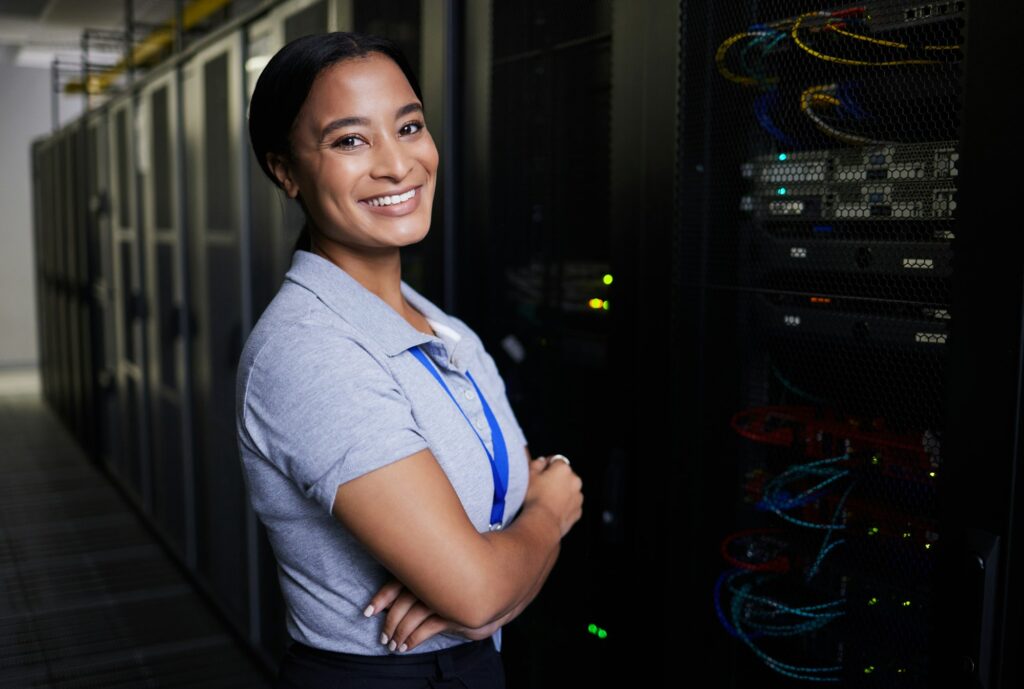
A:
[390,159]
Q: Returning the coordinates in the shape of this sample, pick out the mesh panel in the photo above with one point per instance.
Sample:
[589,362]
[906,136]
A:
[161,147]
[121,141]
[832,158]
[217,145]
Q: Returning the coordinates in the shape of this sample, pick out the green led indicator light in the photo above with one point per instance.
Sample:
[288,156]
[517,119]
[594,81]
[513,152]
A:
[927,546]
[932,474]
[602,634]
[607,279]
[592,628]
[783,156]
[873,600]
[906,534]
[605,307]
[906,604]
[597,631]
[873,531]
[900,670]
[875,459]
[781,191]
[869,669]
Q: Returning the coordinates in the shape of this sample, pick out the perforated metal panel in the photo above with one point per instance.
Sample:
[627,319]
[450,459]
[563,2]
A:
[827,207]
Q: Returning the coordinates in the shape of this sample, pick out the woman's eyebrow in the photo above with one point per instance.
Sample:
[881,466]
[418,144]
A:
[363,121]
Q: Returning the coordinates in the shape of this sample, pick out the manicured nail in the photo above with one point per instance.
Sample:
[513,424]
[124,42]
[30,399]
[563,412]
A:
[403,648]
[392,645]
[368,611]
[383,638]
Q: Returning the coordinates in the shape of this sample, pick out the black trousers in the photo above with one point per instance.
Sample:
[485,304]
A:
[472,665]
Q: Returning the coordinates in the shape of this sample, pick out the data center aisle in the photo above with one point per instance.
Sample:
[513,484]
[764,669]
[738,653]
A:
[87,596]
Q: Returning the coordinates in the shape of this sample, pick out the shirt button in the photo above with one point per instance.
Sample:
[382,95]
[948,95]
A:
[470,395]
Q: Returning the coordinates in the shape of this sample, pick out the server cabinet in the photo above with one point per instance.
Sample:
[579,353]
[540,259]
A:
[105,422]
[212,91]
[546,267]
[130,308]
[821,228]
[170,454]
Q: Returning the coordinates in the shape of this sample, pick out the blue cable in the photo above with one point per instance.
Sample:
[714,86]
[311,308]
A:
[761,104]
[780,667]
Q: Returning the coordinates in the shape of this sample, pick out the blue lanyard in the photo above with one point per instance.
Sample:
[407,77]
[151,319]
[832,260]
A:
[499,460]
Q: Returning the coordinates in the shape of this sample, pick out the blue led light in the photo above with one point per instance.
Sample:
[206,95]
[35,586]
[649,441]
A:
[783,156]
[781,191]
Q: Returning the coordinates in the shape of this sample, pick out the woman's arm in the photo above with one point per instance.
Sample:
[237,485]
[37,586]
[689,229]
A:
[409,622]
[409,517]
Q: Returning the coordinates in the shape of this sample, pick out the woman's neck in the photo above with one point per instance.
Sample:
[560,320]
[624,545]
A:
[380,273]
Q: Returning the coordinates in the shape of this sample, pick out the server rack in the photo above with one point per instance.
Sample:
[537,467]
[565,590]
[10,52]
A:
[568,135]
[823,228]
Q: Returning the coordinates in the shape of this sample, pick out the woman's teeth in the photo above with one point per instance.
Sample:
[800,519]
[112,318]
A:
[392,200]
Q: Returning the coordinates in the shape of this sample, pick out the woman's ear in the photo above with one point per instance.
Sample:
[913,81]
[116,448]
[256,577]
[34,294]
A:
[283,172]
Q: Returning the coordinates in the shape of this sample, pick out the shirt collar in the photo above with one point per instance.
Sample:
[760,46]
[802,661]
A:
[347,297]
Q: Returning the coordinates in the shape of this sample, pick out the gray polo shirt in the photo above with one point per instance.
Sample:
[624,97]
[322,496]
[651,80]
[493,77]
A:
[327,391]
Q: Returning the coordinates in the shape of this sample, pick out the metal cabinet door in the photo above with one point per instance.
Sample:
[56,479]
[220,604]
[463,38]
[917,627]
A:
[170,452]
[212,84]
[129,305]
[101,270]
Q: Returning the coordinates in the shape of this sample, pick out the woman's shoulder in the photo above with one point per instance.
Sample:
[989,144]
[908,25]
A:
[296,331]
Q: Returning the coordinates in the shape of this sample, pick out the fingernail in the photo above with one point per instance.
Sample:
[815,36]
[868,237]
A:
[368,611]
[403,648]
[383,638]
[392,645]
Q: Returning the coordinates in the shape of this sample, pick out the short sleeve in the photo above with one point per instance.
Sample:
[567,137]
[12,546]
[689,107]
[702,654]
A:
[324,411]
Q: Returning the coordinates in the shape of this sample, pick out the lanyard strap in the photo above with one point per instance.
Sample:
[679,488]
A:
[499,460]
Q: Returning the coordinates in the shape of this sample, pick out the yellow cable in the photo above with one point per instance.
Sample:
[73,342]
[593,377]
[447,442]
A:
[842,60]
[878,41]
[823,94]
[720,59]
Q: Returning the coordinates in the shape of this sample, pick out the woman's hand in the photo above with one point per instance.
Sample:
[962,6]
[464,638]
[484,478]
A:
[555,487]
[409,622]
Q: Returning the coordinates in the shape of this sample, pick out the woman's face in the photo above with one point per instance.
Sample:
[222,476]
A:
[363,160]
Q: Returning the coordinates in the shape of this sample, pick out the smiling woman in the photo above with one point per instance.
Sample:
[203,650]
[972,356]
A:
[377,442]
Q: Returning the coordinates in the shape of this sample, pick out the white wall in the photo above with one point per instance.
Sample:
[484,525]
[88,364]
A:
[25,114]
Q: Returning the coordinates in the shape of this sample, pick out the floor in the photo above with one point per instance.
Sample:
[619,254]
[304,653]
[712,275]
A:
[87,596]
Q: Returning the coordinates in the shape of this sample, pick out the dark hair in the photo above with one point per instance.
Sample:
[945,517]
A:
[285,83]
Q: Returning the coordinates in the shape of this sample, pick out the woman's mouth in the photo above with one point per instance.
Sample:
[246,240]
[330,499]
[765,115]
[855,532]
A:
[394,204]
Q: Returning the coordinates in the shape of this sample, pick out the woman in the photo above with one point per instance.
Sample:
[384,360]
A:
[378,445]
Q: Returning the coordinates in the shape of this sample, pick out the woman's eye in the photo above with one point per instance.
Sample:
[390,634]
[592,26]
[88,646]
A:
[411,128]
[347,142]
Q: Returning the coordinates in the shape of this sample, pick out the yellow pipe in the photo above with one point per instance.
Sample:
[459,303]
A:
[151,46]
